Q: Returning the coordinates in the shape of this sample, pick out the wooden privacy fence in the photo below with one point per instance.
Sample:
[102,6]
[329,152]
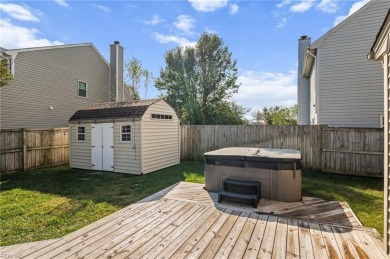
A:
[352,151]
[22,149]
[338,150]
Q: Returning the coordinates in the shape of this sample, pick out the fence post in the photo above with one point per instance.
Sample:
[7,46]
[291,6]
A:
[24,141]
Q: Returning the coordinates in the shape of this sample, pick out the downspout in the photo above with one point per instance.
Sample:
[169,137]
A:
[316,90]
[109,83]
[117,73]
[311,54]
[13,55]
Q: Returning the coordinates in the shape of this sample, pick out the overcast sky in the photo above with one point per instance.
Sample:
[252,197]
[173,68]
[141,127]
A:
[262,35]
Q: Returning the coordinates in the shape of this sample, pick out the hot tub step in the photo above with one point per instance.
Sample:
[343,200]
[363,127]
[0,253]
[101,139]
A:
[238,196]
[230,181]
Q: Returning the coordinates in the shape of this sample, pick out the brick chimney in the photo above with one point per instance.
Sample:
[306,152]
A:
[116,72]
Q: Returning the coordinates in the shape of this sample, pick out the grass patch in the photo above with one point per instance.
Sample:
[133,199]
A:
[364,195]
[52,202]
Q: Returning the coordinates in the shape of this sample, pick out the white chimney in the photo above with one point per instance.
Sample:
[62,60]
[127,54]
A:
[303,83]
[116,72]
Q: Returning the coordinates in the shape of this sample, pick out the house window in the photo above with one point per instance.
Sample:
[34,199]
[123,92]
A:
[81,133]
[162,116]
[82,89]
[126,133]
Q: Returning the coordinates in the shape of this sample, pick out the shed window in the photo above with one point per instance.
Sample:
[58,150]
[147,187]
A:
[81,133]
[126,133]
[162,116]
[82,89]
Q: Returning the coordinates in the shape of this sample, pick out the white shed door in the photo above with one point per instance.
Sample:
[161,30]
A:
[97,143]
[102,151]
[108,146]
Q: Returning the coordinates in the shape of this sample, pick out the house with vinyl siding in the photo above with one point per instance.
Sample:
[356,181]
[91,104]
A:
[51,83]
[135,137]
[337,85]
[380,51]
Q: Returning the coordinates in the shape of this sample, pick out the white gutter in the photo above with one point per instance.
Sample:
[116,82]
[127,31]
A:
[117,73]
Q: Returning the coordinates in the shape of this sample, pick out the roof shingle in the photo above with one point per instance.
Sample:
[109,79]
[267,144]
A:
[134,109]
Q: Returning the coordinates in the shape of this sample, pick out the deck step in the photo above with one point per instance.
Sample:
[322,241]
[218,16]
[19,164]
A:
[246,191]
[241,182]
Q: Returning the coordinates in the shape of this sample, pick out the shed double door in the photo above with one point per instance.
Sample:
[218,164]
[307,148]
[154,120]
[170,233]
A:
[102,140]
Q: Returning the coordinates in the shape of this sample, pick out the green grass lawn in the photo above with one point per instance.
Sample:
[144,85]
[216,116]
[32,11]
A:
[49,203]
[364,195]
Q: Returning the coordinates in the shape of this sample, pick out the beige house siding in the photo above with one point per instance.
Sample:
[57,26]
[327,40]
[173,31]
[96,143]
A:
[349,86]
[160,138]
[380,51]
[386,70]
[80,151]
[49,77]
[127,155]
[313,95]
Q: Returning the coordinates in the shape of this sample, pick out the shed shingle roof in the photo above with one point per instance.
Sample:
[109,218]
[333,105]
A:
[134,109]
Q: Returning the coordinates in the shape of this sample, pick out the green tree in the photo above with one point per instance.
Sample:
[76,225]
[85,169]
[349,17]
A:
[5,74]
[199,82]
[258,117]
[137,77]
[281,115]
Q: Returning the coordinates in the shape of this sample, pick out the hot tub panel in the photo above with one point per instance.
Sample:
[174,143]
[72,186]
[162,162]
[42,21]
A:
[278,173]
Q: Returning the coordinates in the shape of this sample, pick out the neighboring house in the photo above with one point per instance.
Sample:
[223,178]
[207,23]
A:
[337,85]
[136,137]
[51,83]
[380,51]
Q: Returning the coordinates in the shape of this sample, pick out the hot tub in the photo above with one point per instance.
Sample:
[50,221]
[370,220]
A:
[278,170]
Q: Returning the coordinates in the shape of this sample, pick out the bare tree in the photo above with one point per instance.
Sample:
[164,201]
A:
[137,77]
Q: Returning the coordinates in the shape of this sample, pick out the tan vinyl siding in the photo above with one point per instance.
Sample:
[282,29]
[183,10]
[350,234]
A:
[80,151]
[349,86]
[127,155]
[160,138]
[313,96]
[49,77]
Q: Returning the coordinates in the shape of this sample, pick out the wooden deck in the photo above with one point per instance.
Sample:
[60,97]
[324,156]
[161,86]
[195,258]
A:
[183,221]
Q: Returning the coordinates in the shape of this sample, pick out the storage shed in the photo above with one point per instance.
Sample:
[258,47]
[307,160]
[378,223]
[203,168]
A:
[136,137]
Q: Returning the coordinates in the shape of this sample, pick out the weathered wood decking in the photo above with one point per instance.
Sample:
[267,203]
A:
[184,222]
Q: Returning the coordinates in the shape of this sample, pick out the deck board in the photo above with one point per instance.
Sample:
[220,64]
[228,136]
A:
[231,238]
[267,244]
[219,238]
[245,235]
[185,221]
[292,239]
[256,238]
[318,243]
[200,246]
